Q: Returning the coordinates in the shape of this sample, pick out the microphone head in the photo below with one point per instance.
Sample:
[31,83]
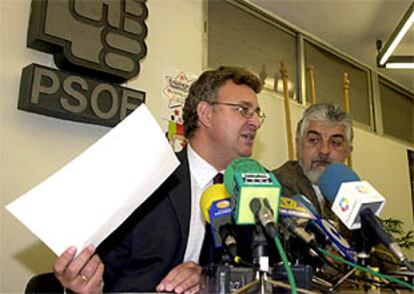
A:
[297,206]
[211,194]
[349,195]
[242,164]
[333,177]
[246,179]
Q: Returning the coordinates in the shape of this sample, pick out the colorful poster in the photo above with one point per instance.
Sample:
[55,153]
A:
[175,90]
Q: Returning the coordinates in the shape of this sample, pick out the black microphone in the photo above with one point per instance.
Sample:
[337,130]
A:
[264,214]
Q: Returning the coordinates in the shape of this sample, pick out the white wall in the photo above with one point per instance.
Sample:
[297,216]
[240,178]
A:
[34,146]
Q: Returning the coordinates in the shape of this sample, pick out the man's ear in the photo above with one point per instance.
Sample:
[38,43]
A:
[297,146]
[204,111]
[350,148]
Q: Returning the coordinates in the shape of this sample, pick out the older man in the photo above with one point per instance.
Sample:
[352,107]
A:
[158,247]
[323,136]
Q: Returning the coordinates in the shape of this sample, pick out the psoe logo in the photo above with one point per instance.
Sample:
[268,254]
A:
[95,44]
[104,38]
[344,204]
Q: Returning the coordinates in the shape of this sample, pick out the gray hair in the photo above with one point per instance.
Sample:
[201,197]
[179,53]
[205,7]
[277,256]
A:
[205,88]
[329,113]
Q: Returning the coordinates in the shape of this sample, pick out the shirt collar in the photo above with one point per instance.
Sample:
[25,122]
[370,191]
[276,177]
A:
[201,170]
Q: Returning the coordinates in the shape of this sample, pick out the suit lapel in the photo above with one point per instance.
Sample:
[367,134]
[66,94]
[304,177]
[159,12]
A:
[180,196]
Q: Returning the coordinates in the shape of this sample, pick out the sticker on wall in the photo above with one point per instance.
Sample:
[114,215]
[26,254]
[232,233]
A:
[175,90]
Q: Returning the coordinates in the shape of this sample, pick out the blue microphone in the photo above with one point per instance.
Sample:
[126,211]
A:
[357,203]
[334,176]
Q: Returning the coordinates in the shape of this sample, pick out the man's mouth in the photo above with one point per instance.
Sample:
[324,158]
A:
[249,137]
[320,163]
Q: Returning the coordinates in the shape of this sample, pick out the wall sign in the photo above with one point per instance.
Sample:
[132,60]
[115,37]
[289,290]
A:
[96,44]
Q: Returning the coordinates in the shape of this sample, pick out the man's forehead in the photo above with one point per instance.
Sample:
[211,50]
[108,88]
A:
[325,128]
[237,93]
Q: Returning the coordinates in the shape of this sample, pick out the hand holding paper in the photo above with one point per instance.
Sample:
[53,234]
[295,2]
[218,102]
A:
[81,274]
[87,199]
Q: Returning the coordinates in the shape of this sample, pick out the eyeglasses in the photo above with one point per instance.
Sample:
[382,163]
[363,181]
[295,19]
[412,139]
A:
[244,110]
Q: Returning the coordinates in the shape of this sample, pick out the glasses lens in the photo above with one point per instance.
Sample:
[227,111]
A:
[244,111]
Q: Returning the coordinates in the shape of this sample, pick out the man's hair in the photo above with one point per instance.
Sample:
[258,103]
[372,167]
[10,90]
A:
[329,113]
[205,88]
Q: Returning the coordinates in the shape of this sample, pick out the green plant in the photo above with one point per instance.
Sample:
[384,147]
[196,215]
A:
[395,228]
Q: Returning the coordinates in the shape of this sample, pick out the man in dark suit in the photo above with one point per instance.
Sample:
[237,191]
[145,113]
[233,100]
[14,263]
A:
[158,247]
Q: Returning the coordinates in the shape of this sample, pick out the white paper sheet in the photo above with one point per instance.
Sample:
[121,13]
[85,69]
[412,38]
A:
[92,195]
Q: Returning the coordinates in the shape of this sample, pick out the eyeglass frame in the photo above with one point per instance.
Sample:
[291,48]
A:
[243,110]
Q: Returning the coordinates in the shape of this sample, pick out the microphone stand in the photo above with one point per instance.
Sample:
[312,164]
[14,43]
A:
[260,253]
[261,262]
[363,257]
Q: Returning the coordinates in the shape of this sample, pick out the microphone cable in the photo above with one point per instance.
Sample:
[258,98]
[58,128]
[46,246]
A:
[286,265]
[367,270]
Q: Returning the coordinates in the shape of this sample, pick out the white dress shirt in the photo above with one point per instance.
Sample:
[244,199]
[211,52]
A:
[202,174]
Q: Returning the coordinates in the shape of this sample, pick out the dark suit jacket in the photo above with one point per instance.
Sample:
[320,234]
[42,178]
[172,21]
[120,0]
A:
[152,241]
[294,182]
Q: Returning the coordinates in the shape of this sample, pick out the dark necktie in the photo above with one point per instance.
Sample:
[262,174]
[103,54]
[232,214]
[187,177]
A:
[218,178]
[207,252]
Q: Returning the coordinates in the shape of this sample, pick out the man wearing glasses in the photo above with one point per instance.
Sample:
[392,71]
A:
[158,247]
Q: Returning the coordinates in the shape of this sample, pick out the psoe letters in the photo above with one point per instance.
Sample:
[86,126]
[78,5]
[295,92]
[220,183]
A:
[70,96]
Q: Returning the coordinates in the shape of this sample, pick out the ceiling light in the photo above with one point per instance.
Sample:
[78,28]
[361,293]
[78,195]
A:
[400,62]
[399,65]
[402,28]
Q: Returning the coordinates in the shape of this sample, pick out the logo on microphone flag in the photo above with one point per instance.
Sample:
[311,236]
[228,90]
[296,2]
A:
[344,204]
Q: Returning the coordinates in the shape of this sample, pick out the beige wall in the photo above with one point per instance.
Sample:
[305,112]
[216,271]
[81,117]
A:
[34,146]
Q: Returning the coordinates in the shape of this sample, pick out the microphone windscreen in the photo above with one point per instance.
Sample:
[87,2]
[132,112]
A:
[333,177]
[213,193]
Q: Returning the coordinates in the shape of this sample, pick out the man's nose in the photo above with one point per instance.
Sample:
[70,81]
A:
[255,121]
[325,148]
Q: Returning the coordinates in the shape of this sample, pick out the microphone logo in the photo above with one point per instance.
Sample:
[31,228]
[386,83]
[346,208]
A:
[344,204]
[362,189]
[223,204]
[288,203]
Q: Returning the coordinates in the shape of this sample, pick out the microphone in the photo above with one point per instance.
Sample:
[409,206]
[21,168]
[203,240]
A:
[357,203]
[246,179]
[349,195]
[263,212]
[216,209]
[301,218]
[297,206]
[294,227]
[294,216]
